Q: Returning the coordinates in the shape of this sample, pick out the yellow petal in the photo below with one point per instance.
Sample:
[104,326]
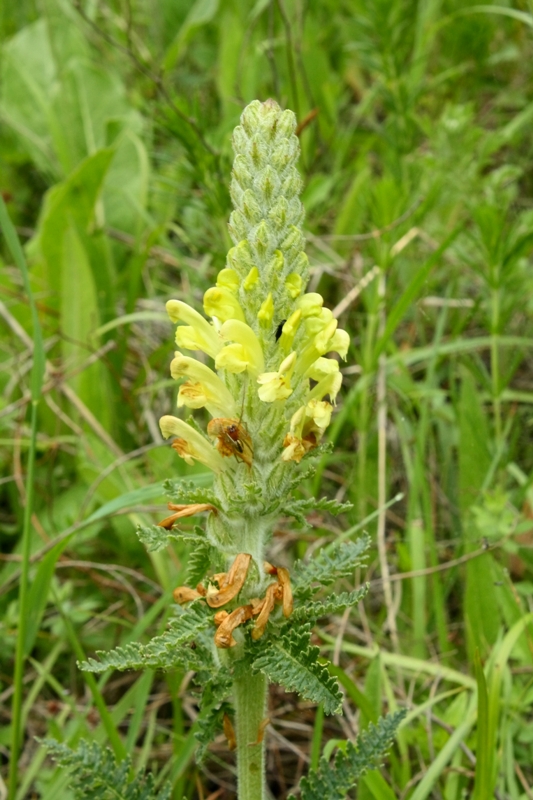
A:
[219,302]
[294,284]
[239,332]
[310,304]
[251,280]
[265,315]
[199,335]
[228,279]
[184,366]
[191,445]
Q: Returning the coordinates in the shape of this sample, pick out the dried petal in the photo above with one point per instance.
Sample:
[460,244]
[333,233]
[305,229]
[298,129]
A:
[285,581]
[233,583]
[223,636]
[273,593]
[183,594]
[229,732]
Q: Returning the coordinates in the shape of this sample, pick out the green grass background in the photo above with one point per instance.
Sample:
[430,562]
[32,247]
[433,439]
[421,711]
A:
[417,150]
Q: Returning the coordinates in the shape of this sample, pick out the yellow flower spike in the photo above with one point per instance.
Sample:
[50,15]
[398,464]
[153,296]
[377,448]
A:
[265,315]
[190,444]
[328,385]
[198,334]
[216,392]
[321,368]
[289,329]
[251,279]
[294,284]
[244,353]
[310,304]
[219,302]
[277,385]
[228,279]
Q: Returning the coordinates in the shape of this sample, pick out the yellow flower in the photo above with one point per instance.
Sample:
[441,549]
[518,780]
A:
[294,284]
[219,302]
[328,385]
[307,428]
[310,304]
[277,385]
[228,279]
[289,329]
[251,279]
[265,315]
[198,334]
[244,353]
[190,444]
[321,368]
[204,383]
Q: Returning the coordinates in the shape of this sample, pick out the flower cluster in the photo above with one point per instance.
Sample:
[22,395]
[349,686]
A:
[267,339]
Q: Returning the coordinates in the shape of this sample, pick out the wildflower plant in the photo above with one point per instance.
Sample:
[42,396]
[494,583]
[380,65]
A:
[263,361]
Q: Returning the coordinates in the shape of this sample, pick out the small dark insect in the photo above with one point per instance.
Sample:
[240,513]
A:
[279,329]
[232,438]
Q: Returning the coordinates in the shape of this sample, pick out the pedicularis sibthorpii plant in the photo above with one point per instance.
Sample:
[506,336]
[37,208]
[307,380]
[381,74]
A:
[268,374]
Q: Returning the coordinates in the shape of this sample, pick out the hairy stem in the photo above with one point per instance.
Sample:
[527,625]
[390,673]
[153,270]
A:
[250,695]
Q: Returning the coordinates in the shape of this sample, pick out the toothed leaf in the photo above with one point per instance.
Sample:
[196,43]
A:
[200,559]
[163,652]
[333,781]
[334,605]
[292,661]
[96,775]
[328,565]
[189,492]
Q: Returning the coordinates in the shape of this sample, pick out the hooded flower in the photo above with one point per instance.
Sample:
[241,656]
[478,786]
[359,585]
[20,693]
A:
[203,389]
[244,353]
[190,444]
[277,385]
[197,334]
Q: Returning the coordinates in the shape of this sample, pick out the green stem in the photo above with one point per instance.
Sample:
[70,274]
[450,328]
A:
[20,657]
[250,696]
[495,364]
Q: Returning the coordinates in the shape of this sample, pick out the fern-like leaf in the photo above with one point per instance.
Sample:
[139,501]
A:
[163,652]
[189,492]
[292,661]
[155,538]
[310,612]
[334,781]
[96,775]
[299,508]
[328,565]
[200,559]
[212,710]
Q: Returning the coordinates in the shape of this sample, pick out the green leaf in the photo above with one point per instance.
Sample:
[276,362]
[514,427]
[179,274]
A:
[163,652]
[96,775]
[200,559]
[328,565]
[322,608]
[292,661]
[126,500]
[333,782]
[212,710]
[39,590]
[298,508]
[201,12]
[412,290]
[192,490]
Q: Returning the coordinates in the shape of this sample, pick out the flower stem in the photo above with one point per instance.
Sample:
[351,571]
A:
[250,695]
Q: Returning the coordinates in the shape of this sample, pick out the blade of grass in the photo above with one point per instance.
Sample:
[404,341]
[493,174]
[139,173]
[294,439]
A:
[37,375]
[484,755]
